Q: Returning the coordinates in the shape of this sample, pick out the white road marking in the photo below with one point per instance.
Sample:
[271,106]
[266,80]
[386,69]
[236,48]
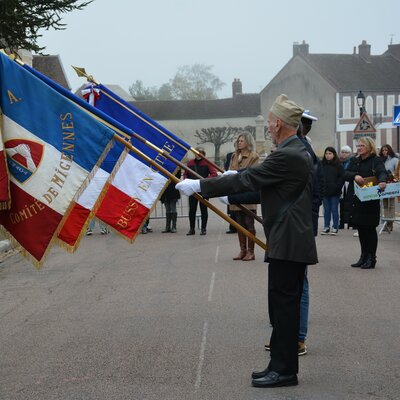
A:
[216,255]
[201,356]
[210,291]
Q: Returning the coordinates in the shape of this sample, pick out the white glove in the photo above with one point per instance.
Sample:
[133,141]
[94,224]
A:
[224,200]
[230,172]
[188,186]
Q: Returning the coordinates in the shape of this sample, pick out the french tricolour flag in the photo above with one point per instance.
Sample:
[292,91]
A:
[137,185]
[52,146]
[84,208]
[130,196]
[137,188]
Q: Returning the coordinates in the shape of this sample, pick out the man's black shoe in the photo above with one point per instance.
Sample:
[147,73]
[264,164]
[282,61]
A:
[203,232]
[191,232]
[259,374]
[273,379]
[231,231]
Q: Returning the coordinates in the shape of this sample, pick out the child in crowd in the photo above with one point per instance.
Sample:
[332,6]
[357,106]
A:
[334,179]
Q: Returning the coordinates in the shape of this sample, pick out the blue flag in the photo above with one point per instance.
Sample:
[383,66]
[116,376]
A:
[52,146]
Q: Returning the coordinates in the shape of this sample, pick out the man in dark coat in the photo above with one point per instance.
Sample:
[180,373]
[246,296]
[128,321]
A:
[284,180]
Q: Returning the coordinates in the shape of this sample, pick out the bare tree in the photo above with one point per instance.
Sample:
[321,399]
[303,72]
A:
[140,92]
[191,82]
[221,135]
[195,82]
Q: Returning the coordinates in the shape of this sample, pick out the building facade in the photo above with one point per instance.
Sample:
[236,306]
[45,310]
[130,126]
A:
[328,85]
[186,117]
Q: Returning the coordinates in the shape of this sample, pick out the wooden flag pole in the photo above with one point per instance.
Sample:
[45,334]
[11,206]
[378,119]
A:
[174,179]
[186,168]
[80,71]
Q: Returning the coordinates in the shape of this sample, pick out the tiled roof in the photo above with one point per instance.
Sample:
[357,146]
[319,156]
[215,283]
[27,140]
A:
[52,67]
[242,105]
[350,72]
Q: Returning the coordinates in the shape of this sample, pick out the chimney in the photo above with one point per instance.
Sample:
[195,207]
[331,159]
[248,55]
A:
[236,87]
[300,48]
[364,50]
[394,50]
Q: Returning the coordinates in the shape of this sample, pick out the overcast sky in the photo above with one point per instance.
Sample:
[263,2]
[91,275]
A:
[121,41]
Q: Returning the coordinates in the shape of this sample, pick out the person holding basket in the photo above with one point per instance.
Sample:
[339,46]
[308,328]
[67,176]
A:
[365,167]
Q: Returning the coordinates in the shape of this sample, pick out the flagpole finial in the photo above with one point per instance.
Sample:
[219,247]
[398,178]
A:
[81,72]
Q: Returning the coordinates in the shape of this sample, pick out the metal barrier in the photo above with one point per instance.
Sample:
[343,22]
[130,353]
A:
[390,212]
[182,210]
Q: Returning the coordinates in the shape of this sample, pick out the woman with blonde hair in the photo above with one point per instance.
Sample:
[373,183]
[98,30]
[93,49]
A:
[365,215]
[244,157]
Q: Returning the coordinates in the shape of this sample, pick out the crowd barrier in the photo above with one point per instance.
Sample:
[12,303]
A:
[390,212]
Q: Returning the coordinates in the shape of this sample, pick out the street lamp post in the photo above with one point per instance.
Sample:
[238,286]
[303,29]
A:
[361,102]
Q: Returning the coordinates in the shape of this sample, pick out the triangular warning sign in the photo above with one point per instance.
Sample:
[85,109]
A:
[364,125]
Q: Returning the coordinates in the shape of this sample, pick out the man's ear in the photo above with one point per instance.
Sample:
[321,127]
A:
[278,125]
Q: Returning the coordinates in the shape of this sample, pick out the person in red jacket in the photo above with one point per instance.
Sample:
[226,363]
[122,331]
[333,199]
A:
[204,169]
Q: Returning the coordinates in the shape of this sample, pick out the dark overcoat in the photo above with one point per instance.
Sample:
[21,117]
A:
[363,213]
[170,193]
[284,180]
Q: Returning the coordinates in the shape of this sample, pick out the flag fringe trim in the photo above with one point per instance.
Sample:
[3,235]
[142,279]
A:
[131,241]
[28,256]
[6,203]
[25,254]
[71,249]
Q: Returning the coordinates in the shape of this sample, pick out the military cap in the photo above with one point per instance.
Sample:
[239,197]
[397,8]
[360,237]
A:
[287,110]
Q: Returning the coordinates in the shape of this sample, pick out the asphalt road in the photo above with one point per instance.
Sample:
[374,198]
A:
[173,317]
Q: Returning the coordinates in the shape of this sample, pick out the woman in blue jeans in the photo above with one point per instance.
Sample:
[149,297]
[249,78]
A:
[334,178]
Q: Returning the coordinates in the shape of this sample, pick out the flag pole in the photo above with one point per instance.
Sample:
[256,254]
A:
[174,179]
[81,72]
[192,172]
[162,169]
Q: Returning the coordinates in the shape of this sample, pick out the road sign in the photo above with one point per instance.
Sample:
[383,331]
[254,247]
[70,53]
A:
[396,115]
[357,136]
[364,126]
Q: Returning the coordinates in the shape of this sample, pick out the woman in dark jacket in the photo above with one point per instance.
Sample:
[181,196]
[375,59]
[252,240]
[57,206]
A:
[334,178]
[365,215]
[169,198]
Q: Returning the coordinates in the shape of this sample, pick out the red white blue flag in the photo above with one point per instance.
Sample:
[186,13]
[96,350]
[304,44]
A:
[130,197]
[136,187]
[52,146]
[85,207]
